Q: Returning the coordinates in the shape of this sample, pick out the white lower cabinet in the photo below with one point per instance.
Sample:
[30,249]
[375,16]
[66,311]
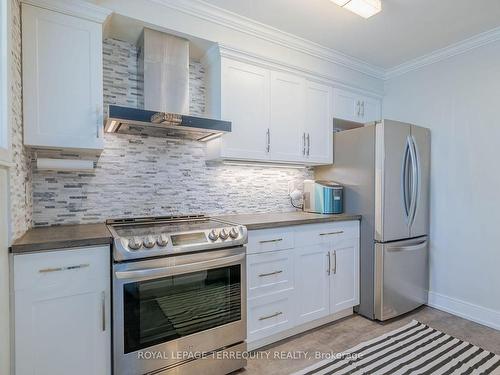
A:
[299,277]
[345,274]
[62,312]
[312,282]
[270,314]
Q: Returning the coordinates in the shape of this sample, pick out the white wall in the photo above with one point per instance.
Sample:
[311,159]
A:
[459,99]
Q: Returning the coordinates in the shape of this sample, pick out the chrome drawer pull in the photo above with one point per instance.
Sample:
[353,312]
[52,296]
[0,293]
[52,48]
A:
[271,316]
[47,270]
[270,273]
[103,311]
[330,233]
[276,240]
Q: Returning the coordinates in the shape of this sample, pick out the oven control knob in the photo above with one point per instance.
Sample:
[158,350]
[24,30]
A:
[149,242]
[162,240]
[134,243]
[233,233]
[213,235]
[223,234]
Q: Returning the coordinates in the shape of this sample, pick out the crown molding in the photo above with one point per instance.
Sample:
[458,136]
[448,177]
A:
[214,53]
[452,50]
[209,12]
[76,8]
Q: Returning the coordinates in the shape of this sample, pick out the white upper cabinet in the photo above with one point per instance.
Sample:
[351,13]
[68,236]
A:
[351,106]
[287,117]
[62,80]
[276,115]
[245,101]
[318,124]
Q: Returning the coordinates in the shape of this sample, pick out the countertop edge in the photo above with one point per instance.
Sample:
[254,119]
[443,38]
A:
[296,222]
[58,245]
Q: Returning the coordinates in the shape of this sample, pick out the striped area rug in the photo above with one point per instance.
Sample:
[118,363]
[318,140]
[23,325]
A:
[413,349]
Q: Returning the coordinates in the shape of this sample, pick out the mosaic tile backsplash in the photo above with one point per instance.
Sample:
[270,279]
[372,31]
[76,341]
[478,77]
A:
[141,176]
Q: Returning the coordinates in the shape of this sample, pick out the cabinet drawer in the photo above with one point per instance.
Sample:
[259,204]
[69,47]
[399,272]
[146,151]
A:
[269,272]
[260,241]
[64,270]
[306,235]
[270,314]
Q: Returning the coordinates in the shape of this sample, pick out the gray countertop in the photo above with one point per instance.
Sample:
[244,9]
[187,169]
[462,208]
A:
[62,237]
[283,219]
[68,236]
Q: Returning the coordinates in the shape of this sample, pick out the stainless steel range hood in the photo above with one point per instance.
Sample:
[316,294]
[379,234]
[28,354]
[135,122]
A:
[164,64]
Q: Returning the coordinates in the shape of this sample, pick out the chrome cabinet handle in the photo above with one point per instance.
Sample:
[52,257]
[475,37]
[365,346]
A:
[57,269]
[308,143]
[334,262]
[358,104]
[268,135]
[271,316]
[304,144]
[270,273]
[98,121]
[103,311]
[331,233]
[268,241]
[329,263]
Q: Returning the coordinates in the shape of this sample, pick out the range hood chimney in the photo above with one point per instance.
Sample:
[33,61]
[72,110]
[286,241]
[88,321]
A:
[163,62]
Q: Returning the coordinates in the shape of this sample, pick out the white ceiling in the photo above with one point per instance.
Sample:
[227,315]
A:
[403,31]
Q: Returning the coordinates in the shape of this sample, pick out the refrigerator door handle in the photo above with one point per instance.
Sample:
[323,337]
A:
[405,186]
[417,246]
[414,180]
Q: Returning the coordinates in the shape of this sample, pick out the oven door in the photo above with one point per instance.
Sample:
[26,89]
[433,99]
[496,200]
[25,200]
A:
[166,310]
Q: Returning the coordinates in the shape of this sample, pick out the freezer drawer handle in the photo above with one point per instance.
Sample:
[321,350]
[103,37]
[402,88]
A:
[330,233]
[268,241]
[271,316]
[417,246]
[270,273]
[47,270]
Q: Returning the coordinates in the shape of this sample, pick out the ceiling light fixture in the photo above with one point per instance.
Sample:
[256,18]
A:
[363,8]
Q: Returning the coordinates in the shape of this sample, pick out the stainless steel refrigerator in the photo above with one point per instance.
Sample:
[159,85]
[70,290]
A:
[384,168]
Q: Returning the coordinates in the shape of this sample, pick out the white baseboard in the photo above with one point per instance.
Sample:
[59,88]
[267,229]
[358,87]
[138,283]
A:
[466,310]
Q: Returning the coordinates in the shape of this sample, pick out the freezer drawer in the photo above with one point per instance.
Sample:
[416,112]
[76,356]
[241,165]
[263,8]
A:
[401,277]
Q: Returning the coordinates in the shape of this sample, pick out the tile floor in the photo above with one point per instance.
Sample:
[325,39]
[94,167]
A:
[350,331]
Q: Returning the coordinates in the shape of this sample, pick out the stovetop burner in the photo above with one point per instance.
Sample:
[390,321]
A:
[137,238]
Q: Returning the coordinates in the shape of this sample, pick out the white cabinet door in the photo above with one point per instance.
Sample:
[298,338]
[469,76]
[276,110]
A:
[287,116]
[345,274]
[312,282]
[62,312]
[318,124]
[62,80]
[245,102]
[371,109]
[346,105]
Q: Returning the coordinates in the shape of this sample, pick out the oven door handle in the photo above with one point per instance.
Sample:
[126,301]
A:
[182,268]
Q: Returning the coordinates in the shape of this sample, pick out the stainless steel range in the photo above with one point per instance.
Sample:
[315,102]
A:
[179,295]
